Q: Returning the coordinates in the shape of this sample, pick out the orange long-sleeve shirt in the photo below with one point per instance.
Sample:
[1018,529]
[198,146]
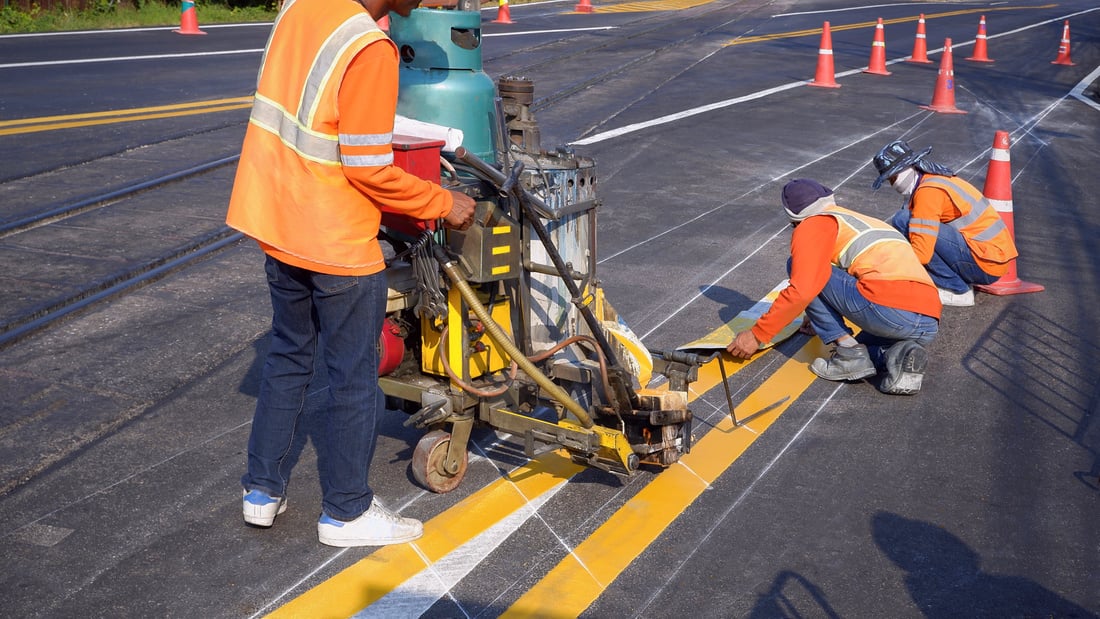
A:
[812,245]
[368,103]
[929,208]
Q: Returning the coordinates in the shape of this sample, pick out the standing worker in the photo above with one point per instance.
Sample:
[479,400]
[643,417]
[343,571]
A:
[847,265]
[975,247]
[316,172]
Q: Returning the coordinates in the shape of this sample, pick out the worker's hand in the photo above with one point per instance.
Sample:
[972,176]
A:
[462,213]
[744,345]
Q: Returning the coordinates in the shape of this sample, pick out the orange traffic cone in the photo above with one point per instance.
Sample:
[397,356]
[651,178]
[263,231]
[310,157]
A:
[189,21]
[981,54]
[878,52]
[504,14]
[943,99]
[584,6]
[920,44]
[826,76]
[384,23]
[998,190]
[1063,49]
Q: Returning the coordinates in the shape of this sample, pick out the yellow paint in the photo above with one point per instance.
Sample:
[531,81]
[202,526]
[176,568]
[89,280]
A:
[582,576]
[492,359]
[652,5]
[578,580]
[385,569]
[723,335]
[52,123]
[371,578]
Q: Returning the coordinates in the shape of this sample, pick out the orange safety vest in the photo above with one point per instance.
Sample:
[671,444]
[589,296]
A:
[290,192]
[985,232]
[872,249]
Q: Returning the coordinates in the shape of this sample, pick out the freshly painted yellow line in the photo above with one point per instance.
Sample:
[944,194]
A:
[585,573]
[871,24]
[51,123]
[367,581]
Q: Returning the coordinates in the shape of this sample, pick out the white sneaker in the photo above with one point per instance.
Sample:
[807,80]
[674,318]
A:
[957,299]
[260,508]
[376,527]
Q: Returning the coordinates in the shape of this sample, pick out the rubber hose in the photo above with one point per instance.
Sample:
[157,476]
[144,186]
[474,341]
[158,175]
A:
[497,335]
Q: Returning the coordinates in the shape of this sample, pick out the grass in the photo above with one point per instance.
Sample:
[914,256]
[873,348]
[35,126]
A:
[110,14]
[106,14]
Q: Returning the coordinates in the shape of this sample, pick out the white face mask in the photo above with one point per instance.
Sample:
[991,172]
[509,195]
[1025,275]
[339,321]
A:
[905,181]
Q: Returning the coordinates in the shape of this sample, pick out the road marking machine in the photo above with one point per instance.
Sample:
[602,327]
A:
[505,324]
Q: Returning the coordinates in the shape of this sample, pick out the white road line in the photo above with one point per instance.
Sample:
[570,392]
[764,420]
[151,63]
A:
[526,32]
[741,497]
[419,593]
[1078,91]
[29,35]
[670,118]
[46,63]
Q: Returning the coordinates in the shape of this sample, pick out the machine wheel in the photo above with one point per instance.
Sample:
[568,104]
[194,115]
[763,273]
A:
[427,463]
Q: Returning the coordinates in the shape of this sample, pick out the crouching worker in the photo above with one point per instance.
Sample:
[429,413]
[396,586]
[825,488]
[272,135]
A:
[975,247]
[847,265]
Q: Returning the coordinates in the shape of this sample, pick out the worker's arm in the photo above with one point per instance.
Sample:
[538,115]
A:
[811,266]
[929,206]
[367,103]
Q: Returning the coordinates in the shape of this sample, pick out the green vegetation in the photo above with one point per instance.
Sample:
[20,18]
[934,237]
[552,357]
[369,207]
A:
[102,14]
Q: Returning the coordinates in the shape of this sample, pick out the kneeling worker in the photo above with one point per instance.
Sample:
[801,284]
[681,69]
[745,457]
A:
[847,265]
[975,247]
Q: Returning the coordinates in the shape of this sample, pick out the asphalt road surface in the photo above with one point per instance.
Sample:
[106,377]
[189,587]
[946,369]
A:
[125,413]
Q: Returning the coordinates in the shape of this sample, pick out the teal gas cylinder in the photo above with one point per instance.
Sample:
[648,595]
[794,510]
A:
[441,77]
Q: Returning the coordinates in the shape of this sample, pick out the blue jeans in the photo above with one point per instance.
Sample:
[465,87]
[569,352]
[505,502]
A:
[952,266]
[335,320]
[881,326]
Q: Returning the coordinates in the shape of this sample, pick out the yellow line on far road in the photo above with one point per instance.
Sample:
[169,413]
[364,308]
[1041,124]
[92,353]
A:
[650,6]
[89,119]
[869,24]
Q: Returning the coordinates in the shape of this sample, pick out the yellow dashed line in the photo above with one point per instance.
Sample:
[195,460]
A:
[653,5]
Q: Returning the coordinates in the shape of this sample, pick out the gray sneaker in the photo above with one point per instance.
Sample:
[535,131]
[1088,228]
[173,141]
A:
[376,527]
[905,363]
[846,363]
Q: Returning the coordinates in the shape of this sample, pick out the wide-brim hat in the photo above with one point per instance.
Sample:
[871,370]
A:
[893,158]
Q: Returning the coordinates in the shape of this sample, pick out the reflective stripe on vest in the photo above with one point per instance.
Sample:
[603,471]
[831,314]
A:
[982,227]
[971,207]
[290,192]
[294,131]
[866,236]
[872,249]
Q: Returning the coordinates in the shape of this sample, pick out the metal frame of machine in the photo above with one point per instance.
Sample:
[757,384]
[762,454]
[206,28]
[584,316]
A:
[505,324]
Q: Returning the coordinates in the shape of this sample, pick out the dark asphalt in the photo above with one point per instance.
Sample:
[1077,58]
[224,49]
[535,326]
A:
[123,430]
